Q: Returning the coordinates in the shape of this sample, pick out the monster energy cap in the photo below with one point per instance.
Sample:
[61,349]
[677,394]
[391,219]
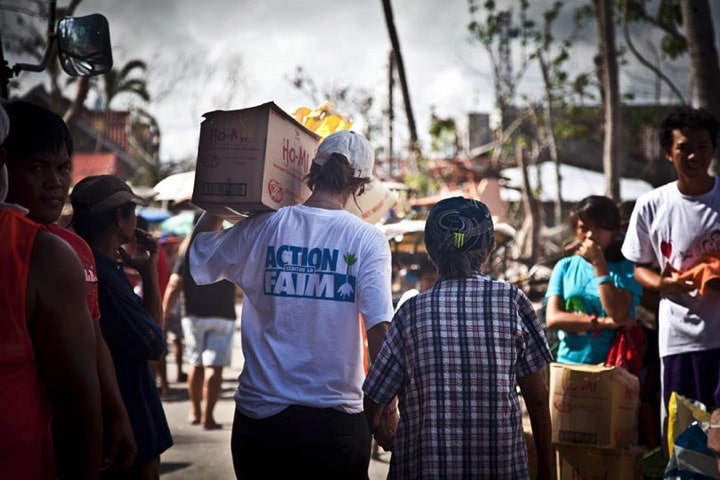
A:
[458,225]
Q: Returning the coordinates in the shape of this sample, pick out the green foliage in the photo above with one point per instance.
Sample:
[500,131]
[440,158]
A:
[420,183]
[673,47]
[666,16]
[443,135]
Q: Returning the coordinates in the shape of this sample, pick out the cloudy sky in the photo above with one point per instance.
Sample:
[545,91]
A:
[224,54]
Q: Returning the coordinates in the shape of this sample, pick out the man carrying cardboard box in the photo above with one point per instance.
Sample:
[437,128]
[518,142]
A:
[307,272]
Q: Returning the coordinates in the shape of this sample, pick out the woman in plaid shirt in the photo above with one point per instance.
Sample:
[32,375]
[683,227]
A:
[454,356]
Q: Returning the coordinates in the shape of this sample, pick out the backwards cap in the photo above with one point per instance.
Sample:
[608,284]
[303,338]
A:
[351,145]
[101,193]
[457,225]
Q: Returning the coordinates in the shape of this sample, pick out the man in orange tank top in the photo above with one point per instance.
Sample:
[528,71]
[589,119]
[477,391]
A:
[39,150]
[46,370]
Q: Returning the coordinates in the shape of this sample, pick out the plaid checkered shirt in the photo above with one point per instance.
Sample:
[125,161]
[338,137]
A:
[453,355]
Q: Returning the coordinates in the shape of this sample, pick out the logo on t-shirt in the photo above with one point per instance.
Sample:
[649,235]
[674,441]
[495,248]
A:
[709,244]
[90,276]
[293,271]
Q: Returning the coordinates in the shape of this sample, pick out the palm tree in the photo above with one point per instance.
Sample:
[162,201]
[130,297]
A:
[116,82]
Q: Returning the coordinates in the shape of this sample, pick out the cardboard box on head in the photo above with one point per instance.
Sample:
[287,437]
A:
[252,160]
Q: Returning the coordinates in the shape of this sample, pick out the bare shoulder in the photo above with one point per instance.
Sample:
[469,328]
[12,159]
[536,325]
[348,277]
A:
[54,267]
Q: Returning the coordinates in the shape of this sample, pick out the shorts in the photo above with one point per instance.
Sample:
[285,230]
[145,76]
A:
[694,375]
[208,340]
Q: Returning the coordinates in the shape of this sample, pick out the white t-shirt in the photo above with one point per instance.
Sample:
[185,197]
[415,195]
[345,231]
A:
[306,274]
[667,226]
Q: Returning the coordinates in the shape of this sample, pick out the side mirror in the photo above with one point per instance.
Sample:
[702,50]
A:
[84,45]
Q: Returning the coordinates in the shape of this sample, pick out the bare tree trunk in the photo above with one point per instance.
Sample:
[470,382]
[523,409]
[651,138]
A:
[395,42]
[700,35]
[550,134]
[612,142]
[529,235]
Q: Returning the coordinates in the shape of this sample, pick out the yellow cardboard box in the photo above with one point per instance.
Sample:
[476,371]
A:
[251,160]
[590,463]
[593,405]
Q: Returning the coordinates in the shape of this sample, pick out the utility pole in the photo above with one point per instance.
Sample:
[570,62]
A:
[391,111]
[395,42]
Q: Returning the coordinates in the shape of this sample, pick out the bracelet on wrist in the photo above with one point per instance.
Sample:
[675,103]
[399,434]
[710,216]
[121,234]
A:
[603,279]
[594,321]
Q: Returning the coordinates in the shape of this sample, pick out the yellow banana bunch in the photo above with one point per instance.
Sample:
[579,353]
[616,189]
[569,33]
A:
[323,119]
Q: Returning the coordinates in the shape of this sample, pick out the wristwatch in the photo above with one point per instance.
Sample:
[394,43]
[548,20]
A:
[593,321]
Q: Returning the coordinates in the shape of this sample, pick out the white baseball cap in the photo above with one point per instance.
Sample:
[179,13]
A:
[350,145]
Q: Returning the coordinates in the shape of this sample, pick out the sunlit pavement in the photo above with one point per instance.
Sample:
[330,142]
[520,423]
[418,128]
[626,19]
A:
[205,455]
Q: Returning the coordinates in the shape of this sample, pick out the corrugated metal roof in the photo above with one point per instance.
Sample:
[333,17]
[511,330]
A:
[85,164]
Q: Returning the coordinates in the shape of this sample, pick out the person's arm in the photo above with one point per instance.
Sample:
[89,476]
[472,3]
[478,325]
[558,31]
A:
[382,419]
[64,344]
[663,282]
[535,395]
[615,301]
[375,337]
[207,223]
[172,293]
[146,266]
[121,446]
[556,317]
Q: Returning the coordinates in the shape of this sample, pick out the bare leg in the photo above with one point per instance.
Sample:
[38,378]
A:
[211,393]
[178,351]
[195,391]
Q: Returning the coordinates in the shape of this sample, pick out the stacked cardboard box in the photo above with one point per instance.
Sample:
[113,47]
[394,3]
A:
[594,412]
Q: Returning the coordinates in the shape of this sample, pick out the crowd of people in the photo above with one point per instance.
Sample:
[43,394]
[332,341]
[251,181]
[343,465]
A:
[77,342]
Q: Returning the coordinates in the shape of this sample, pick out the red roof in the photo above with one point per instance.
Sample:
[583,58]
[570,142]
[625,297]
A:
[85,164]
[110,123]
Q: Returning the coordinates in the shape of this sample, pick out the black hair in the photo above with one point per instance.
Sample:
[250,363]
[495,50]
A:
[458,265]
[604,213]
[600,210]
[34,129]
[696,118]
[92,225]
[336,175]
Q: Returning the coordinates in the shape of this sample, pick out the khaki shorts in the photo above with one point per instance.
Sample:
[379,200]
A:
[208,340]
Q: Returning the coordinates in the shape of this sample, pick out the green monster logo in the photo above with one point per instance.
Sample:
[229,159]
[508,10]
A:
[459,239]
